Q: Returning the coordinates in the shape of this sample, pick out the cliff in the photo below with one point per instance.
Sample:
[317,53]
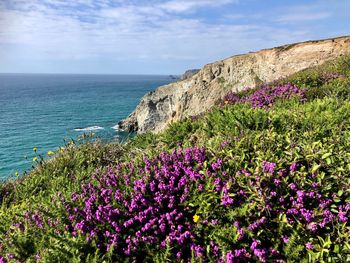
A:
[189,73]
[199,92]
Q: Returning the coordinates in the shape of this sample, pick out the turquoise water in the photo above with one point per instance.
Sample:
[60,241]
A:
[45,110]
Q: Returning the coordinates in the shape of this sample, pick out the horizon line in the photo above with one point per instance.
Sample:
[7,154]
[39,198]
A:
[60,73]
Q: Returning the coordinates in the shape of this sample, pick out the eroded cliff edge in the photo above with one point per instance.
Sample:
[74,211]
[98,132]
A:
[198,93]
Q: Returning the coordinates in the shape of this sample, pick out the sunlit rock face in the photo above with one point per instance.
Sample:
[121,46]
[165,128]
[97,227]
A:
[199,92]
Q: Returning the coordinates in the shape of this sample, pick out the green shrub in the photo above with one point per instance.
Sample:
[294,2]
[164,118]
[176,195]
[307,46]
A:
[313,135]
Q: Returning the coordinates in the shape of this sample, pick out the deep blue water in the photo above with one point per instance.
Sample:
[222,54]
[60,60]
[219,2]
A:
[44,110]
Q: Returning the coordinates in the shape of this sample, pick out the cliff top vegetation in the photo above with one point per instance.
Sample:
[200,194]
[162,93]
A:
[263,176]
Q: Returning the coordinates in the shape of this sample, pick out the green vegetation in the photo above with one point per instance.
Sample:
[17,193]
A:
[252,184]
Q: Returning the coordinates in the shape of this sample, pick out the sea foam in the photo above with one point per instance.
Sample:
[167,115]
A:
[91,128]
[115,127]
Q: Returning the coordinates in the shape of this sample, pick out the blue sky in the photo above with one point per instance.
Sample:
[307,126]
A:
[154,36]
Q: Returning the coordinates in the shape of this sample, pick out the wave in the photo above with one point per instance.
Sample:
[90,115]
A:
[116,127]
[91,128]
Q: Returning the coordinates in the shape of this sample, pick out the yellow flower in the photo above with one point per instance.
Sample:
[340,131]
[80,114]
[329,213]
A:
[35,159]
[17,173]
[50,152]
[35,149]
[226,102]
[195,218]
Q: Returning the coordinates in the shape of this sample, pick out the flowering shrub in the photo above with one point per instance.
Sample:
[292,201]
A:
[195,203]
[266,96]
[267,186]
[137,210]
[131,215]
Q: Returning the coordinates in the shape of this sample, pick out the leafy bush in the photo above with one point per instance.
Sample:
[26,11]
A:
[264,177]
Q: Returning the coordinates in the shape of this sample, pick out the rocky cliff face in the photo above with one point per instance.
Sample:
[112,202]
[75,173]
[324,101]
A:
[198,93]
[189,73]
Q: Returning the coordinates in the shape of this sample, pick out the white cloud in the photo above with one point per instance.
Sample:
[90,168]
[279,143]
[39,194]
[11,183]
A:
[303,16]
[305,13]
[122,31]
[191,5]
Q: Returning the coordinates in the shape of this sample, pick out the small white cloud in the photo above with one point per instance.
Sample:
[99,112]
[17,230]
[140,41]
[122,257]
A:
[303,17]
[234,16]
[192,5]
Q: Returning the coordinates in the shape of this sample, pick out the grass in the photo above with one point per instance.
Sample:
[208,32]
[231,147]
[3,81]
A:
[229,215]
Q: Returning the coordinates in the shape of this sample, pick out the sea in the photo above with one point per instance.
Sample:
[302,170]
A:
[44,111]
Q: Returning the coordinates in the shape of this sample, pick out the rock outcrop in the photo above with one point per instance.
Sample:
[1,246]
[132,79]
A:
[189,73]
[201,91]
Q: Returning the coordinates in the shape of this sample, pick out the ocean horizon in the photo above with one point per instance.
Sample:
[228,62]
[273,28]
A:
[44,110]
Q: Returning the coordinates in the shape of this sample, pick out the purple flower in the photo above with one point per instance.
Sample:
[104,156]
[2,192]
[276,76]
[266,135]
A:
[274,251]
[342,216]
[309,246]
[216,165]
[285,239]
[307,214]
[282,173]
[257,224]
[293,186]
[277,181]
[226,200]
[293,167]
[265,96]
[240,252]
[254,244]
[229,257]
[198,250]
[261,254]
[268,167]
[312,227]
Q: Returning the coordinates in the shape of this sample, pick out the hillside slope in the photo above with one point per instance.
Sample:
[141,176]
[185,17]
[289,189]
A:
[199,93]
[264,176]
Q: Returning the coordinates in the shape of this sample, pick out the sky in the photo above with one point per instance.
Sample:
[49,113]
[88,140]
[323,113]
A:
[154,36]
